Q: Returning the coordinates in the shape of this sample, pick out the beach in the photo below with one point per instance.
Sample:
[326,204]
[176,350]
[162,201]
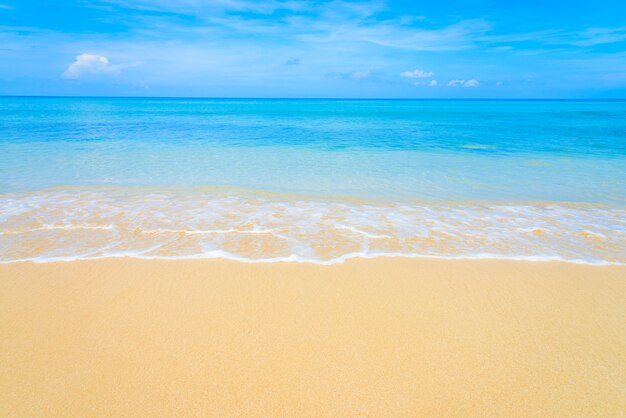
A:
[388,336]
[294,208]
[312,257]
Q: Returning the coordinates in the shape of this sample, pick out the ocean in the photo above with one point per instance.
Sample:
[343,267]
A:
[312,180]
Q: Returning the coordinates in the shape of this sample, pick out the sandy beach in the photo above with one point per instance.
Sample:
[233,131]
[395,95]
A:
[380,337]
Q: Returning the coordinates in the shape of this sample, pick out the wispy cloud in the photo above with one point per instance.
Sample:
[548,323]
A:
[321,22]
[307,47]
[200,7]
[360,75]
[587,37]
[393,34]
[598,36]
[345,21]
[352,75]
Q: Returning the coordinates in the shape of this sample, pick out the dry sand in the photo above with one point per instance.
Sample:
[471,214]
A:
[382,337]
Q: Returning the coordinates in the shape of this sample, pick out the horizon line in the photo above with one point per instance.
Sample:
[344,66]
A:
[312,98]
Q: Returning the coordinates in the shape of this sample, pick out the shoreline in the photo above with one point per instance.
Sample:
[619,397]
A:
[383,336]
[102,223]
[337,261]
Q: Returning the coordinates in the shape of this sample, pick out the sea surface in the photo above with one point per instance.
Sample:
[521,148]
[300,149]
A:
[312,180]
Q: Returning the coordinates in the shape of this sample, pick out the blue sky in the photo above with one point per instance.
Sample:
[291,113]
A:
[307,48]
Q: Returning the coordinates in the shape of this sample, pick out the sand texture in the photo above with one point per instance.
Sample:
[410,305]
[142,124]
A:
[380,337]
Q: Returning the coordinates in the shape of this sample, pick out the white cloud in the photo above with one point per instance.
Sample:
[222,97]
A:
[360,75]
[464,83]
[417,74]
[432,83]
[94,64]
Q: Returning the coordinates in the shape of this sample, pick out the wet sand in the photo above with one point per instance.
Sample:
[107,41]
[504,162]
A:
[380,337]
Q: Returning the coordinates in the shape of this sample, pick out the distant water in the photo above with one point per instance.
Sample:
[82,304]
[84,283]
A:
[312,180]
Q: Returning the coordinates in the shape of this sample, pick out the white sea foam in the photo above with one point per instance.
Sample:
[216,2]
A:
[73,224]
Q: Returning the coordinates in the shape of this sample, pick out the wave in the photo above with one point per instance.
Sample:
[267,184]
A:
[295,259]
[91,223]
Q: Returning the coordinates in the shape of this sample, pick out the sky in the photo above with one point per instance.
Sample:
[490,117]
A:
[309,48]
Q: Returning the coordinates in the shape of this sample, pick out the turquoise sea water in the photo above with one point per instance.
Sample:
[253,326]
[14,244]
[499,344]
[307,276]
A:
[312,180]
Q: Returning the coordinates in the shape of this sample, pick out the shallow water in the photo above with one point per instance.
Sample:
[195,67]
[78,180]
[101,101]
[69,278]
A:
[312,180]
